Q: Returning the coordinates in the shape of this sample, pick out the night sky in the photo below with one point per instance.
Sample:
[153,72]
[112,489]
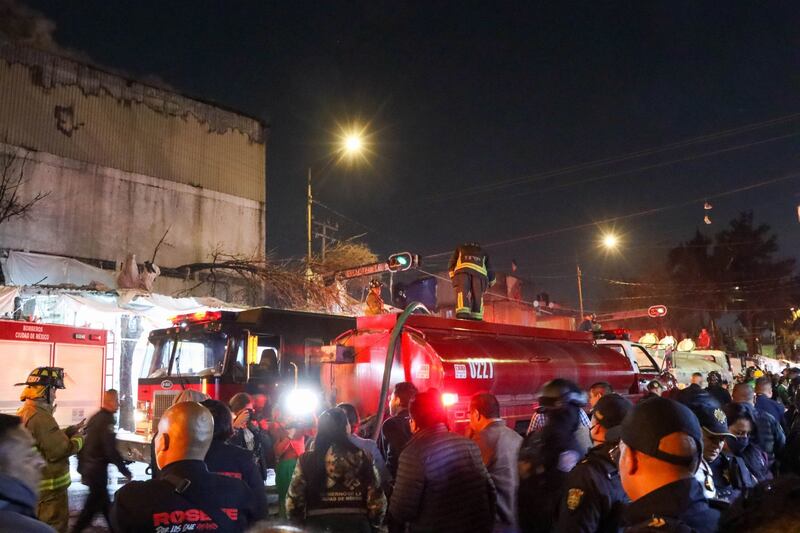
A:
[461,98]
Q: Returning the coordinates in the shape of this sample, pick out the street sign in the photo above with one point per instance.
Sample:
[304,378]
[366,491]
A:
[364,270]
[657,311]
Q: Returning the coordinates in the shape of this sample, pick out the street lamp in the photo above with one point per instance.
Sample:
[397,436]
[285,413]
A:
[351,145]
[610,242]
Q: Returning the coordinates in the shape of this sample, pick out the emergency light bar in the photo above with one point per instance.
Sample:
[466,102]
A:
[200,316]
[618,334]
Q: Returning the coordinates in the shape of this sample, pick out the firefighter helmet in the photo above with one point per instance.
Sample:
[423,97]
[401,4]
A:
[559,393]
[46,376]
[375,284]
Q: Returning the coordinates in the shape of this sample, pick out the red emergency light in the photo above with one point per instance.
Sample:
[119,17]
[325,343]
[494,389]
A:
[657,311]
[617,334]
[200,316]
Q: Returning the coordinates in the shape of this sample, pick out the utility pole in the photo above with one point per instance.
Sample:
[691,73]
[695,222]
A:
[309,201]
[580,289]
[324,236]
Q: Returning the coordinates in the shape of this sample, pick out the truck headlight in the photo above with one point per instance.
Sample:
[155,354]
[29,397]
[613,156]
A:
[301,402]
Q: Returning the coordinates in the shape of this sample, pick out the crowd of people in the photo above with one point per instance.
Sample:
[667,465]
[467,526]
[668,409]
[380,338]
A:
[712,456]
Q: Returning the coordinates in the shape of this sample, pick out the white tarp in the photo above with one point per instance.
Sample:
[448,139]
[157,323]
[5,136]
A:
[26,269]
[7,296]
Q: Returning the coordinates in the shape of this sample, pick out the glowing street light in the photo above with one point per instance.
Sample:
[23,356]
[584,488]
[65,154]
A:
[610,241]
[351,145]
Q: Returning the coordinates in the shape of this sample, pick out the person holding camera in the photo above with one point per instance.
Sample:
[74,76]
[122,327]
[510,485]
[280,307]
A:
[246,432]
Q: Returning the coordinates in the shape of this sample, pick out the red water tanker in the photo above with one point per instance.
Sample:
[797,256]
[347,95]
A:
[461,357]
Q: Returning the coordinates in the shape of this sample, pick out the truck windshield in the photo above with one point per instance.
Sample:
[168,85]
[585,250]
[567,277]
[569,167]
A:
[196,354]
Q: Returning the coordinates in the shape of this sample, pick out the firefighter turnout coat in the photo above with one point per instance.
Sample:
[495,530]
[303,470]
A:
[471,274]
[53,443]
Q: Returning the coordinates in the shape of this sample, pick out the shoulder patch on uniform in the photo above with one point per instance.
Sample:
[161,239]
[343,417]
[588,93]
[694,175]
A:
[657,522]
[574,497]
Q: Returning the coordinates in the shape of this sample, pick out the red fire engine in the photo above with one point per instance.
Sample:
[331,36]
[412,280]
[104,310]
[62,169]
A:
[81,352]
[460,358]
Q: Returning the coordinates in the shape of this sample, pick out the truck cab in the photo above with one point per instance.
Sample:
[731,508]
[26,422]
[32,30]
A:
[222,353]
[643,362]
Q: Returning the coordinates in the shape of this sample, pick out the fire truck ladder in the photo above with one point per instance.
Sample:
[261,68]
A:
[111,344]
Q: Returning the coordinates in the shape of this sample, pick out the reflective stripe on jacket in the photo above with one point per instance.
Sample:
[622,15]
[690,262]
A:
[470,257]
[53,443]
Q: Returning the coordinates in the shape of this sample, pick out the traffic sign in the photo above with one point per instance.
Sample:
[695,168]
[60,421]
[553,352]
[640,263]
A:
[657,311]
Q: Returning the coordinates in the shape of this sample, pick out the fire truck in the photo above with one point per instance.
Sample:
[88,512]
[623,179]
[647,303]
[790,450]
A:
[221,353]
[460,358]
[81,352]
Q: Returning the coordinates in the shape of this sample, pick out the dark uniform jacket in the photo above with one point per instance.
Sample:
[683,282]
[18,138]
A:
[472,259]
[720,393]
[17,504]
[235,462]
[442,485]
[594,499]
[395,434]
[679,507]
[100,449]
[209,502]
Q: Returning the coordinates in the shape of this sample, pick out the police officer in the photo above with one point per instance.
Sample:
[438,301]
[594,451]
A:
[471,275]
[185,496]
[55,445]
[715,428]
[99,451]
[661,445]
[547,456]
[374,300]
[594,498]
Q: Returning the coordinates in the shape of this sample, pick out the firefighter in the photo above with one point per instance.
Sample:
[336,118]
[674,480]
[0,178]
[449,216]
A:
[471,275]
[374,300]
[54,444]
[547,456]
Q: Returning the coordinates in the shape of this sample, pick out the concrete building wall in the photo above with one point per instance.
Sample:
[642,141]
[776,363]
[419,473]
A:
[76,111]
[103,213]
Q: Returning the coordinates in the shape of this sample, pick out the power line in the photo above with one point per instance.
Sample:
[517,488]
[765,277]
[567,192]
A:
[616,159]
[636,214]
[646,167]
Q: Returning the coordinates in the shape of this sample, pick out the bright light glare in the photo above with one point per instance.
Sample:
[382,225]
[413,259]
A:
[302,402]
[139,416]
[353,143]
[449,399]
[610,241]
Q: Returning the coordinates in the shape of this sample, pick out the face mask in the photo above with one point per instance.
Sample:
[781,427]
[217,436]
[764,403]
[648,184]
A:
[737,444]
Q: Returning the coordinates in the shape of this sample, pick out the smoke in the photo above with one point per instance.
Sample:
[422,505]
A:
[22,25]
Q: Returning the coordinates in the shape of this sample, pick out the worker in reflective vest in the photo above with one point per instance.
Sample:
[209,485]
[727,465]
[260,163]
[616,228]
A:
[54,444]
[471,275]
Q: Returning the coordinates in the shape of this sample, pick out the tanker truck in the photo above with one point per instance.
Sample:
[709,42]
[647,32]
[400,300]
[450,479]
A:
[461,357]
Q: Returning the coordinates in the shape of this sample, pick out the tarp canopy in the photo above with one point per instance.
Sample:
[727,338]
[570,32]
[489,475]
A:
[27,269]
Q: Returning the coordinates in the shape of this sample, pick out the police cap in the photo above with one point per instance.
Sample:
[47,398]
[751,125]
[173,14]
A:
[610,410]
[707,410]
[649,422]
